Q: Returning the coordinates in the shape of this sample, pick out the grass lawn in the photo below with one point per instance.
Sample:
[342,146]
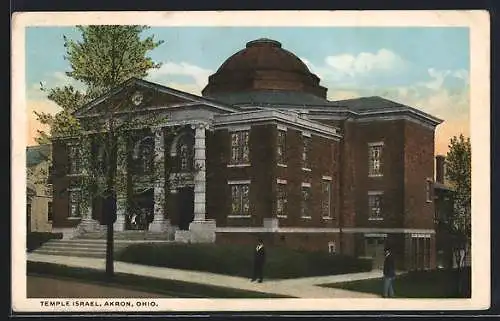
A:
[237,260]
[422,284]
[169,288]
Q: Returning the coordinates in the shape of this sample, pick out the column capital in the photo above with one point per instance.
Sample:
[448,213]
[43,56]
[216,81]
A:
[200,125]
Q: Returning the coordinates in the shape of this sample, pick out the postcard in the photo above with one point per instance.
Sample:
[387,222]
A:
[250,161]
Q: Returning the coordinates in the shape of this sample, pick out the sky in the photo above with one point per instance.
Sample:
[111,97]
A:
[424,67]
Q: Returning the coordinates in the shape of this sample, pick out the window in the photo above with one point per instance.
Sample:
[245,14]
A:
[305,151]
[375,205]
[74,203]
[239,147]
[145,155]
[281,199]
[101,158]
[332,247]
[306,198]
[281,147]
[49,211]
[74,159]
[240,203]
[326,200]
[428,190]
[375,159]
[50,175]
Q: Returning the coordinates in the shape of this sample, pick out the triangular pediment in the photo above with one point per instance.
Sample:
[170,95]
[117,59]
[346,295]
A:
[138,95]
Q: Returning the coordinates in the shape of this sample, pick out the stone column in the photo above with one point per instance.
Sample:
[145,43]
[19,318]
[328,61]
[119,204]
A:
[202,230]
[160,223]
[121,183]
[87,224]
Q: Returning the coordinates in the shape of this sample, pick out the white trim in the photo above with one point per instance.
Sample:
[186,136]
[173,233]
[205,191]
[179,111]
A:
[239,216]
[306,133]
[239,165]
[282,165]
[74,218]
[305,169]
[375,219]
[327,218]
[239,182]
[375,175]
[281,181]
[305,185]
[326,178]
[375,235]
[306,217]
[371,193]
[385,230]
[281,127]
[421,235]
[281,216]
[238,229]
[239,128]
[375,144]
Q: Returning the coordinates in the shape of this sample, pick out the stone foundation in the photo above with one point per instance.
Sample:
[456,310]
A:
[202,231]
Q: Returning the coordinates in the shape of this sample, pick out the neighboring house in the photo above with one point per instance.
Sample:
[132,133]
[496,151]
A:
[39,189]
[444,201]
[263,153]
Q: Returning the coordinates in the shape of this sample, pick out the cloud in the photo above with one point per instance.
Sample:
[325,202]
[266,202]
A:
[46,106]
[169,69]
[383,60]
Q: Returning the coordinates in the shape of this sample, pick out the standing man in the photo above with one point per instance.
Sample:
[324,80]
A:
[259,259]
[389,274]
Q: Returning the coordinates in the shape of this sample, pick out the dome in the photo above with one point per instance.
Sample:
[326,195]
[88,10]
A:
[263,65]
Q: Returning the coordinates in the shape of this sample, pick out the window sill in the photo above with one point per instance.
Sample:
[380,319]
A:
[375,175]
[282,165]
[375,219]
[281,216]
[239,216]
[74,218]
[305,169]
[328,218]
[306,217]
[428,201]
[238,165]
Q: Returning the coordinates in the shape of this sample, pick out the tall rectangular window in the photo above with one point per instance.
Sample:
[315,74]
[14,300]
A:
[428,190]
[74,203]
[306,146]
[239,147]
[49,211]
[281,199]
[281,147]
[375,205]
[74,159]
[375,159]
[326,200]
[306,200]
[240,202]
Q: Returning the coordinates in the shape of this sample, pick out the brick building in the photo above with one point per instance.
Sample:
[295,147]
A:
[262,153]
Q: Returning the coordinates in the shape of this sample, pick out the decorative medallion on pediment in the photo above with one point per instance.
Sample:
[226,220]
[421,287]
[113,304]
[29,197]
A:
[137,98]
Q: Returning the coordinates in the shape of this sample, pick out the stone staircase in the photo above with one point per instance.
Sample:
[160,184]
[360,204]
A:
[134,235]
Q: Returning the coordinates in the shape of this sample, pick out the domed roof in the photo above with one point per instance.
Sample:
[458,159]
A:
[263,65]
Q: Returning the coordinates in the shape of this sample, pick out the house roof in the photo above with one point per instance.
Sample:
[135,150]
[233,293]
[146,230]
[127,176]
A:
[37,154]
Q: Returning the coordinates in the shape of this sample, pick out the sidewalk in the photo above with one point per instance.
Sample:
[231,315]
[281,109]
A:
[299,288]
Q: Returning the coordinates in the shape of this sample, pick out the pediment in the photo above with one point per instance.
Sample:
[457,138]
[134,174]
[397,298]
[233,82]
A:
[139,95]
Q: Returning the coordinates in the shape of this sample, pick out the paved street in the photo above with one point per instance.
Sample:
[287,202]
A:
[47,287]
[299,288]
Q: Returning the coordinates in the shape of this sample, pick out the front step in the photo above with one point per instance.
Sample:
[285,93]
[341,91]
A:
[85,247]
[125,235]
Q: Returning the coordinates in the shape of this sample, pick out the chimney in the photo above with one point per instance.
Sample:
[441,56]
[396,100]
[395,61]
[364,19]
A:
[440,161]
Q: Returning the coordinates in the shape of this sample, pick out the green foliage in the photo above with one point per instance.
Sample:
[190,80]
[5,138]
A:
[36,239]
[237,260]
[458,172]
[105,57]
[418,284]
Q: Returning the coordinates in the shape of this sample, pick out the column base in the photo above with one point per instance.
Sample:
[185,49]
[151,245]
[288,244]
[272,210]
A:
[119,224]
[159,225]
[202,231]
[88,225]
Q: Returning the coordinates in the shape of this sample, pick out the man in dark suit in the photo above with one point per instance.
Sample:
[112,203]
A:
[389,274]
[258,264]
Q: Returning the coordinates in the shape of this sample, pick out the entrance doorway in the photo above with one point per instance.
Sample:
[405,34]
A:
[186,206]
[141,214]
[374,248]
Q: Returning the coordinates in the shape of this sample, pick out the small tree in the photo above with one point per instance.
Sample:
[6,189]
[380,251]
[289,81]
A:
[458,172]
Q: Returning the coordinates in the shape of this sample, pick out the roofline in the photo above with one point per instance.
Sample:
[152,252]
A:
[86,107]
